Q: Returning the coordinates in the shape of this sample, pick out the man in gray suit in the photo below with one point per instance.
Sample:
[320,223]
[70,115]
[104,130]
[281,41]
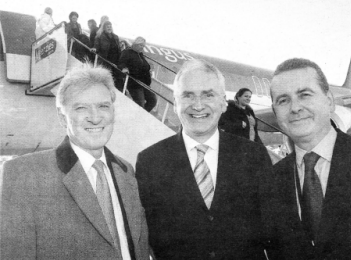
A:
[78,201]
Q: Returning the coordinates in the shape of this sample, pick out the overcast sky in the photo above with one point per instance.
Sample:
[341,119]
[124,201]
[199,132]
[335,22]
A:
[261,33]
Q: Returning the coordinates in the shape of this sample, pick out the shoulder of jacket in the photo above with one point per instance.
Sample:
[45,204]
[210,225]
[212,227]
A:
[31,160]
[283,163]
[160,145]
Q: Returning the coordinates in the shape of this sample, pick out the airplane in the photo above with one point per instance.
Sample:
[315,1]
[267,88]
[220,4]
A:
[30,71]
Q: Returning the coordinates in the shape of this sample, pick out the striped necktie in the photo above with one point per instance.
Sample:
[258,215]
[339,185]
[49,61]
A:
[203,176]
[312,196]
[105,201]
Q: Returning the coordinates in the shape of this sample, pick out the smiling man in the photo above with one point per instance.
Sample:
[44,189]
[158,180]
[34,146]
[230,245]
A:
[204,191]
[312,184]
[78,201]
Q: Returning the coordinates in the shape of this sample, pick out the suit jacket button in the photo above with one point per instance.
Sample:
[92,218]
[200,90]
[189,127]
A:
[210,218]
[212,255]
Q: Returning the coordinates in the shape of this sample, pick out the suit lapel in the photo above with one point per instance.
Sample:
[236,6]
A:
[227,167]
[79,186]
[288,186]
[337,198]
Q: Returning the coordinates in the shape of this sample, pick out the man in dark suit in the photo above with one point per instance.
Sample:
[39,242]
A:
[312,186]
[204,191]
[78,201]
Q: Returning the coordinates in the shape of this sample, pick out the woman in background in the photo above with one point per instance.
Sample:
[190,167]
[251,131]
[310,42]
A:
[107,46]
[73,28]
[240,119]
[103,19]
[93,30]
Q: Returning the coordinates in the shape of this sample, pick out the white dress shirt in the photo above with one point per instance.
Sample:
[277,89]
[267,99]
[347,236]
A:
[325,150]
[211,156]
[87,162]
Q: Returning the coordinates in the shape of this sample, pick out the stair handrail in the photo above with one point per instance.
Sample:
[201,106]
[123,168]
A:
[272,126]
[160,63]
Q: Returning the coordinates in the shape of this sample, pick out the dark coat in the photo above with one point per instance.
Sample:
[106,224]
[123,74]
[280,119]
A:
[71,32]
[78,51]
[180,225]
[289,241]
[137,65]
[102,45]
[93,36]
[232,121]
[50,211]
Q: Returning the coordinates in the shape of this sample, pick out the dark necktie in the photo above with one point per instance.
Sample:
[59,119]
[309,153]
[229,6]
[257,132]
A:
[312,197]
[104,197]
[203,175]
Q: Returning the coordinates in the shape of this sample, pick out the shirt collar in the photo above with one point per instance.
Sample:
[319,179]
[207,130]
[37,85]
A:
[324,148]
[212,142]
[86,159]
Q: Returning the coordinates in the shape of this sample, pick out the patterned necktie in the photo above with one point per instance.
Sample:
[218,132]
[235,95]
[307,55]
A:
[105,201]
[312,197]
[203,176]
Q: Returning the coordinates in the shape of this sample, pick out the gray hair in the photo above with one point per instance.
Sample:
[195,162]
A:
[201,65]
[82,78]
[139,40]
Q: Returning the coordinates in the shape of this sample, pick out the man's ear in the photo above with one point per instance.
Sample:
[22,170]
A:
[174,105]
[331,103]
[224,104]
[62,117]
